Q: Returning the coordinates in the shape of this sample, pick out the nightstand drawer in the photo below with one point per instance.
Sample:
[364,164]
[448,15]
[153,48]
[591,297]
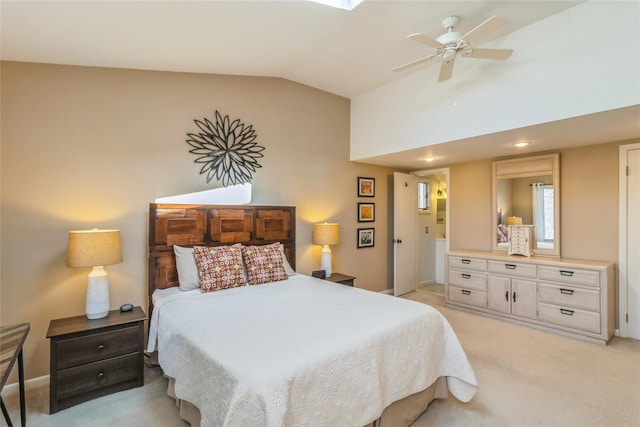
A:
[91,348]
[98,375]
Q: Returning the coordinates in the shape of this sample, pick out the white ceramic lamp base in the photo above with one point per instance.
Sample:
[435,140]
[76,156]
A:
[325,261]
[97,294]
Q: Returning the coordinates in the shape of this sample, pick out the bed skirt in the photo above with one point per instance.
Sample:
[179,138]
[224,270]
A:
[400,413]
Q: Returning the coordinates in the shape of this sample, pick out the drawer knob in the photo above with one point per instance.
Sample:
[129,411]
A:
[100,347]
[100,375]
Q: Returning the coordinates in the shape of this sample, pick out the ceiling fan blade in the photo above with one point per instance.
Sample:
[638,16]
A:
[446,70]
[487,53]
[421,38]
[482,30]
[416,62]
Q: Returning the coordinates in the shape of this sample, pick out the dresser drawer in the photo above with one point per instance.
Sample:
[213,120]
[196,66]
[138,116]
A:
[468,280]
[90,348]
[571,317]
[468,296]
[97,375]
[467,263]
[569,275]
[513,268]
[587,299]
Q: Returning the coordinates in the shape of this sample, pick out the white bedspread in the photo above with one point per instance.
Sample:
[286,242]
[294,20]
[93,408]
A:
[303,352]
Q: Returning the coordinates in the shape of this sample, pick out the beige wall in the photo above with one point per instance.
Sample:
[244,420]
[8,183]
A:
[588,204]
[91,147]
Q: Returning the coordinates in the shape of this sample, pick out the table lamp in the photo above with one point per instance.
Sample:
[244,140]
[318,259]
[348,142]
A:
[95,248]
[326,234]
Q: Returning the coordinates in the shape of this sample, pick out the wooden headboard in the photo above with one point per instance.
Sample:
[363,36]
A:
[212,225]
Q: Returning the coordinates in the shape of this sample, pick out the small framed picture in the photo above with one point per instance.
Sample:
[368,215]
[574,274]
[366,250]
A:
[365,237]
[366,187]
[366,212]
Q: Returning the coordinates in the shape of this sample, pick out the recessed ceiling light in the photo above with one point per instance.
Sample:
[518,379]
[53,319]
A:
[522,144]
[429,159]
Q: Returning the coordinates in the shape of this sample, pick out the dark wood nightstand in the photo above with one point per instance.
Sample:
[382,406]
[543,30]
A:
[93,358]
[341,278]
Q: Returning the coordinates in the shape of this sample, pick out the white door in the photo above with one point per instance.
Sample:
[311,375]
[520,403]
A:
[630,265]
[405,241]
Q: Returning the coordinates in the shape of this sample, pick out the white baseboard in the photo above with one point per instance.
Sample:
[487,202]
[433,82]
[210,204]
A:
[388,292]
[30,384]
[427,282]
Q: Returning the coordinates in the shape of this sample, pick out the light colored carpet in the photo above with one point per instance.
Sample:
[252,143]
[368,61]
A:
[527,378]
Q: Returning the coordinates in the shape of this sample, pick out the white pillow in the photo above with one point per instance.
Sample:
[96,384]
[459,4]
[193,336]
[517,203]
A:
[187,269]
[287,267]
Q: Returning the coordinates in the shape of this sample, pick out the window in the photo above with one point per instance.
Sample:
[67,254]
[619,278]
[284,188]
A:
[548,212]
[424,196]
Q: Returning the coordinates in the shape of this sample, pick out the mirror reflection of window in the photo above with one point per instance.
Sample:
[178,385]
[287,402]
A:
[424,196]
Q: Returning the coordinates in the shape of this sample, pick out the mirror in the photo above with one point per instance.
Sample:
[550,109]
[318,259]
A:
[441,212]
[527,191]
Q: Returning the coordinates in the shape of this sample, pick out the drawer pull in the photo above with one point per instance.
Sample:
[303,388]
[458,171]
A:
[506,296]
[100,347]
[466,276]
[510,266]
[100,375]
[566,291]
[566,312]
[566,273]
[465,292]
[466,261]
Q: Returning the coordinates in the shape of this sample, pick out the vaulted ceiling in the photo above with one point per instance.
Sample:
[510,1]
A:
[347,53]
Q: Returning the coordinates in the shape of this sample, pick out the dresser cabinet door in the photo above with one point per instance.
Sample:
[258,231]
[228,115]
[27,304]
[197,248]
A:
[523,298]
[512,296]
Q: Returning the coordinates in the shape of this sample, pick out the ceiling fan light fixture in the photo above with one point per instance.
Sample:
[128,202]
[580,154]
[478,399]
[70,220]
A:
[521,144]
[429,159]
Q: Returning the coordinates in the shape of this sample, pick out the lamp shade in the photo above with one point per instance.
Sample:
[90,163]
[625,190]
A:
[90,248]
[514,220]
[326,234]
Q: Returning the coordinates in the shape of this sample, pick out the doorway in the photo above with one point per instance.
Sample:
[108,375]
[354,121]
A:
[433,231]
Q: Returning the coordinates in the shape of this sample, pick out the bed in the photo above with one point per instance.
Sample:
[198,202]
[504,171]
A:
[297,351]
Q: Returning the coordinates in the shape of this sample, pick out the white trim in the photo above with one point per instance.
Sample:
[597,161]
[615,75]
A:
[623,286]
[387,292]
[30,384]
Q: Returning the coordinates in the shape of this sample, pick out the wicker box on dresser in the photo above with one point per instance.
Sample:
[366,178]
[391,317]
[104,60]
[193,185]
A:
[93,358]
[570,297]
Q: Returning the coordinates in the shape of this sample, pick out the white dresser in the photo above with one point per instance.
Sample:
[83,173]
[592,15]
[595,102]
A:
[570,297]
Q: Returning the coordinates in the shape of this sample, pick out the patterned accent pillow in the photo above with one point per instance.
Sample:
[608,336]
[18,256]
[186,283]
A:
[219,267]
[264,263]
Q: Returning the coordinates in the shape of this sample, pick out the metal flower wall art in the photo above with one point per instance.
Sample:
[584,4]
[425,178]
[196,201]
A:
[227,150]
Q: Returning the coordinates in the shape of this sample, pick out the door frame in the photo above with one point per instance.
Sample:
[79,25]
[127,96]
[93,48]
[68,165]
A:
[623,285]
[445,172]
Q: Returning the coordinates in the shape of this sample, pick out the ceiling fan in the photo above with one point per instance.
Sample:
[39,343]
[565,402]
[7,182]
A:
[451,44]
